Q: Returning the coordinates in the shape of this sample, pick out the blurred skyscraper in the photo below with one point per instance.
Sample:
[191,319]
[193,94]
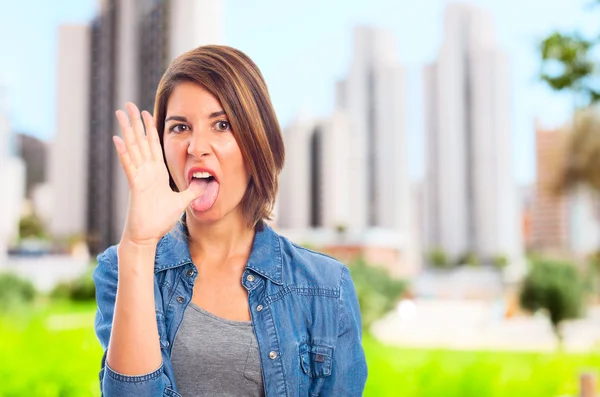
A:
[471,195]
[12,180]
[346,176]
[34,152]
[130,44]
[373,97]
[316,184]
[549,221]
[69,152]
[353,163]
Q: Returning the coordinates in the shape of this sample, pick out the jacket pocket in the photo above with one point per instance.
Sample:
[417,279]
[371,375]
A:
[316,360]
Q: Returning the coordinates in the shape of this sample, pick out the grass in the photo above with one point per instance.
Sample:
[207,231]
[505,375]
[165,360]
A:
[51,351]
[429,373]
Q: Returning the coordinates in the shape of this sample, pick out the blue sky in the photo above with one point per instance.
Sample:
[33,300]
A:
[302,48]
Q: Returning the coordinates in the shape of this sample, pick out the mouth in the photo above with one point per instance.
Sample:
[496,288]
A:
[201,174]
[207,179]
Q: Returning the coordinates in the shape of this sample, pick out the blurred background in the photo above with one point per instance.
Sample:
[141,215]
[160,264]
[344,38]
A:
[448,152]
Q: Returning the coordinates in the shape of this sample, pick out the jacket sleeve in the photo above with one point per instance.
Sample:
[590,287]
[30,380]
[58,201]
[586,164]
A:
[112,383]
[349,371]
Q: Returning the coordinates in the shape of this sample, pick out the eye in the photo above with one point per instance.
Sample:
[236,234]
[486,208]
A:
[222,126]
[178,128]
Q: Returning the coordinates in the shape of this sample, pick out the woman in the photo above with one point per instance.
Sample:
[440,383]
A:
[201,297]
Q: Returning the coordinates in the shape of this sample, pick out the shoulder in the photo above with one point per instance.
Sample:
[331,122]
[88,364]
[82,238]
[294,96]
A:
[314,267]
[108,256]
[106,272]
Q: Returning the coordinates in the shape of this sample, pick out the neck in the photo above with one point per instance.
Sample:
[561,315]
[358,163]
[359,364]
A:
[217,242]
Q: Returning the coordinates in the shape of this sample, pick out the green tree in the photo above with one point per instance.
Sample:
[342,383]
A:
[569,64]
[557,287]
[377,291]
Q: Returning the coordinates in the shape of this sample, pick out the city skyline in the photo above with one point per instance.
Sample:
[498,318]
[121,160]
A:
[127,60]
[520,26]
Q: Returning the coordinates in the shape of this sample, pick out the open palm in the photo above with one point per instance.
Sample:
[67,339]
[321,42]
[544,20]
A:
[153,207]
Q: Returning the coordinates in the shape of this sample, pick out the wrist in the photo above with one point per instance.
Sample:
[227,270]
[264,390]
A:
[135,258]
[131,240]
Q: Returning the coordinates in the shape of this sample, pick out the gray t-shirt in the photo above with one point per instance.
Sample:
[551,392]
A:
[213,356]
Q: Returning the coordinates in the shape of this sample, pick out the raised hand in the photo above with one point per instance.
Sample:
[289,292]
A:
[153,207]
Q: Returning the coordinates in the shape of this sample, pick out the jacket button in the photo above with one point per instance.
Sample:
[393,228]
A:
[273,355]
[180,299]
[190,272]
[250,278]
[259,308]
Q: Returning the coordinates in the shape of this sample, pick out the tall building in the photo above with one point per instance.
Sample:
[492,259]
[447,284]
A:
[129,45]
[372,95]
[350,170]
[471,195]
[315,184]
[549,215]
[34,153]
[68,175]
[345,185]
[12,180]
[293,199]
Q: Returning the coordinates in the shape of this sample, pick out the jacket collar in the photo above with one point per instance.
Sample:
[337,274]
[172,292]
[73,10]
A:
[265,258]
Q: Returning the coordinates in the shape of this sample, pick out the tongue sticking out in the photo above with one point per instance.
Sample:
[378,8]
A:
[208,197]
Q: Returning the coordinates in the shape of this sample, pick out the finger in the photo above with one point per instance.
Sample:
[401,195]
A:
[129,138]
[194,191]
[153,139]
[138,130]
[124,158]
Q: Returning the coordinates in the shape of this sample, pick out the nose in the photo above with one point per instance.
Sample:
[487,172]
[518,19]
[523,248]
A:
[199,144]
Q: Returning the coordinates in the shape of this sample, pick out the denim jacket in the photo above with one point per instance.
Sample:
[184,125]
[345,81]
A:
[304,310]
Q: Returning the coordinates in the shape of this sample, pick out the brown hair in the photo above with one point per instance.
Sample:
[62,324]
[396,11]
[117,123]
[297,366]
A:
[232,77]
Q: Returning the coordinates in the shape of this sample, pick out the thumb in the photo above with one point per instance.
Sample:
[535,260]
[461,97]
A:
[191,193]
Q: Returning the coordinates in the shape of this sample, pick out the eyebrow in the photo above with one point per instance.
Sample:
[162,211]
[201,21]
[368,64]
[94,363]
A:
[176,118]
[185,120]
[216,114]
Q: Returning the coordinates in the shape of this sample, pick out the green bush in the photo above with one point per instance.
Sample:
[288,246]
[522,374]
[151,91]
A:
[556,287]
[438,259]
[31,226]
[14,291]
[468,259]
[377,291]
[500,261]
[80,289]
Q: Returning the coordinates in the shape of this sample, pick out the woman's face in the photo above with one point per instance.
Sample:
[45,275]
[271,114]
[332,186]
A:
[200,148]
